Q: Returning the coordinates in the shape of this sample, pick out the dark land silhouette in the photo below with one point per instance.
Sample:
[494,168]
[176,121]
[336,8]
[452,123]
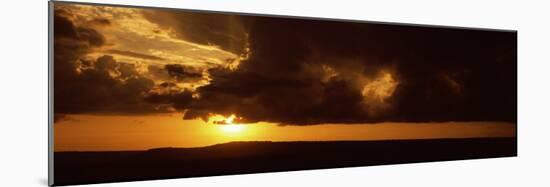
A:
[255,157]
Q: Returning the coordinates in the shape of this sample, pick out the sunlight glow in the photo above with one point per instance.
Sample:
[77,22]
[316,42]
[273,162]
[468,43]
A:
[227,124]
[232,128]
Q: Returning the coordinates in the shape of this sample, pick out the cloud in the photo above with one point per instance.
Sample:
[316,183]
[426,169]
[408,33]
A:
[225,31]
[177,100]
[134,54]
[180,75]
[315,72]
[104,85]
[100,22]
[100,85]
[293,72]
[110,87]
[181,72]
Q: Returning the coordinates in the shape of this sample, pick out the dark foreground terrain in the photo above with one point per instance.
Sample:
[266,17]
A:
[253,157]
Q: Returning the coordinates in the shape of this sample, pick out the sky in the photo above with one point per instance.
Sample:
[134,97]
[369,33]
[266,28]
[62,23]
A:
[135,78]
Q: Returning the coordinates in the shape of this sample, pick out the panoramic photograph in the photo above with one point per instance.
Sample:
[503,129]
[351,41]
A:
[150,93]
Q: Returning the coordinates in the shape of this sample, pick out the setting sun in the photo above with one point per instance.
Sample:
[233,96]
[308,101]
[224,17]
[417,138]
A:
[227,124]
[232,128]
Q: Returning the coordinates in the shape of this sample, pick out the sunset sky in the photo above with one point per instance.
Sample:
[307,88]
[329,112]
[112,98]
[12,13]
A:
[135,79]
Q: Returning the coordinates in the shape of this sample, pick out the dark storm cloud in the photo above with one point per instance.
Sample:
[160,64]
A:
[178,100]
[95,90]
[65,28]
[299,72]
[134,54]
[72,40]
[443,75]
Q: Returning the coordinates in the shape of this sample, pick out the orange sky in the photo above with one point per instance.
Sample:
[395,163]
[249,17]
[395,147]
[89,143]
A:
[95,133]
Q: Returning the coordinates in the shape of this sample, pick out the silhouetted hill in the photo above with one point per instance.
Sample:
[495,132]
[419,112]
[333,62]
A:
[254,157]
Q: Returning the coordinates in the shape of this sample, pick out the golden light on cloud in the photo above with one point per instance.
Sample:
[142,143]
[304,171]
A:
[328,73]
[377,92]
[380,88]
[134,39]
[230,119]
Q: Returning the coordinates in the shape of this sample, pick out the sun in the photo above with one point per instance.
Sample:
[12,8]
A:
[227,124]
[232,128]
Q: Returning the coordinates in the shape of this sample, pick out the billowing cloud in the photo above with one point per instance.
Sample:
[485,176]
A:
[287,71]
[318,72]
[110,87]
[113,61]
